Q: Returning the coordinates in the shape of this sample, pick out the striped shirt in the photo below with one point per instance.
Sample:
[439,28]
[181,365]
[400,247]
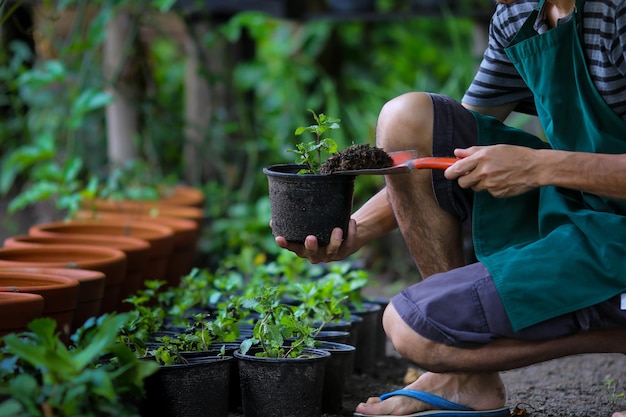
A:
[604,38]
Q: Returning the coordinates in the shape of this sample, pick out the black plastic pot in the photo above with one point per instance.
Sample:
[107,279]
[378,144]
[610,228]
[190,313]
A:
[339,325]
[308,204]
[228,349]
[338,369]
[355,327]
[366,343]
[282,387]
[332,336]
[381,338]
[199,388]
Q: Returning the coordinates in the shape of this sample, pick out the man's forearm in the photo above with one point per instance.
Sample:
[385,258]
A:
[600,174]
[375,218]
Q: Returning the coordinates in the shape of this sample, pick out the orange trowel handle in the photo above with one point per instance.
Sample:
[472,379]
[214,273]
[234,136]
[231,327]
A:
[432,162]
[410,159]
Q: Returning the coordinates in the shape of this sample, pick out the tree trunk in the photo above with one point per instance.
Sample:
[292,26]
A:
[201,99]
[122,116]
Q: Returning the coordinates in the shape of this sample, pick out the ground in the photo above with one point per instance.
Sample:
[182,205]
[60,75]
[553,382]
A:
[569,387]
[579,386]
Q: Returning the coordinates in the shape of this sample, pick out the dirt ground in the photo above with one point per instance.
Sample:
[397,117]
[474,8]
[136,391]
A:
[569,387]
[579,386]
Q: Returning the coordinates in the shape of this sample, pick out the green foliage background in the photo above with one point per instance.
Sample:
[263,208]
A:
[344,68]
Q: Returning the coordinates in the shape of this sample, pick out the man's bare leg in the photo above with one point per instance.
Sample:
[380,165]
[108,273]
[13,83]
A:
[470,376]
[432,235]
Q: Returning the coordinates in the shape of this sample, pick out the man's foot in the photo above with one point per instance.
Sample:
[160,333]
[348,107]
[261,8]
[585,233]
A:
[478,391]
[622,414]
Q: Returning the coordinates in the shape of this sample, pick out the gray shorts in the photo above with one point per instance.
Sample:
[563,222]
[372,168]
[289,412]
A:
[462,307]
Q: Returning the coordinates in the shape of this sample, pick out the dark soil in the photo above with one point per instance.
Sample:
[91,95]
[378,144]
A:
[359,156]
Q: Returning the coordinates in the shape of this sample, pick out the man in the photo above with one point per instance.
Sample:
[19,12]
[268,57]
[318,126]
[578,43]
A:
[549,220]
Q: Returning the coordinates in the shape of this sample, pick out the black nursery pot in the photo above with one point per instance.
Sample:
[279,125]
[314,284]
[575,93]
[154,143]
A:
[366,343]
[199,388]
[338,368]
[282,387]
[308,204]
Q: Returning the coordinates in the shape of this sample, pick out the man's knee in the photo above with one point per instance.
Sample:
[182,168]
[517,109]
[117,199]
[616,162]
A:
[406,122]
[425,353]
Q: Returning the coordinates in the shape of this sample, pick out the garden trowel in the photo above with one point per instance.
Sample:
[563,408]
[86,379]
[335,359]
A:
[403,161]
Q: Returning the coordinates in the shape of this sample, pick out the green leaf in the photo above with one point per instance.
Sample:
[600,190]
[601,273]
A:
[90,100]
[247,344]
[101,341]
[163,5]
[12,408]
[40,191]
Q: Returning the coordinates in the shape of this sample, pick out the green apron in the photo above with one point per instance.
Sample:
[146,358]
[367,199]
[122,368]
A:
[553,250]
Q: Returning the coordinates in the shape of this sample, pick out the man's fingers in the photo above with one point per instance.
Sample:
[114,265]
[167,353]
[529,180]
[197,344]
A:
[336,238]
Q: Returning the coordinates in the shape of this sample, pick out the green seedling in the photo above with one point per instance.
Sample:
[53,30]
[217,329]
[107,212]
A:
[310,153]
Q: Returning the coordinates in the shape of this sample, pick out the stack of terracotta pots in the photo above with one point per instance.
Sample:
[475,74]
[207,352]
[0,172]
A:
[84,267]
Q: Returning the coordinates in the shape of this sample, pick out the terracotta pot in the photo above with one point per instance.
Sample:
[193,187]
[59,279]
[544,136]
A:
[137,254]
[179,195]
[60,295]
[90,294]
[111,262]
[183,195]
[142,208]
[17,310]
[186,237]
[160,237]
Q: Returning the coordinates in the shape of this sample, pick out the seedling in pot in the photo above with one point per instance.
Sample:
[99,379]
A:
[310,153]
[319,305]
[277,322]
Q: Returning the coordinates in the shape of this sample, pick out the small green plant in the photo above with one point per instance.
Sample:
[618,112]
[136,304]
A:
[170,349]
[343,280]
[610,387]
[205,333]
[310,153]
[276,324]
[319,306]
[41,376]
[201,289]
[145,318]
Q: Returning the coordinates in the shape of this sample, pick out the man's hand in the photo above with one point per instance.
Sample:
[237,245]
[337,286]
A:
[502,170]
[337,249]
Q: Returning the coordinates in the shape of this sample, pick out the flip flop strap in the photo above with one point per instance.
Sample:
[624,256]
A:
[428,398]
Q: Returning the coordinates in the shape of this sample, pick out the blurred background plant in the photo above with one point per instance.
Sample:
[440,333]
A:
[258,75]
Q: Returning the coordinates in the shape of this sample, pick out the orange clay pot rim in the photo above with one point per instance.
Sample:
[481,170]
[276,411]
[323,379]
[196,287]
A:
[82,275]
[38,282]
[175,224]
[134,205]
[87,239]
[111,254]
[137,224]
[7,297]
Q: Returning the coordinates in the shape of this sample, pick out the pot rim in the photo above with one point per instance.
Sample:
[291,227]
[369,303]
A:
[317,355]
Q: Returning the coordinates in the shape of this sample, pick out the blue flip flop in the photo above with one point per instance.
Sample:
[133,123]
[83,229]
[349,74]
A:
[446,408]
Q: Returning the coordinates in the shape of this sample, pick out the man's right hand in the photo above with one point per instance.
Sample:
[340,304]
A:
[337,249]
